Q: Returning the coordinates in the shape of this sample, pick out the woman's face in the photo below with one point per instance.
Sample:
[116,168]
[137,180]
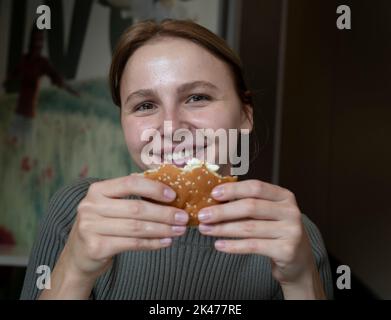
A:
[172,79]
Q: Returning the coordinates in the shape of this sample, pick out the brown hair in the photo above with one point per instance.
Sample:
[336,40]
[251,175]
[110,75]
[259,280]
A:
[139,34]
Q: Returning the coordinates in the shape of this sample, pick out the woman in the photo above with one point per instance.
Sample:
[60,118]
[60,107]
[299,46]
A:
[105,240]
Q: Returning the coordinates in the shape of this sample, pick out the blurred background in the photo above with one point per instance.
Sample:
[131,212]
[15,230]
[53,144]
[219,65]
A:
[322,115]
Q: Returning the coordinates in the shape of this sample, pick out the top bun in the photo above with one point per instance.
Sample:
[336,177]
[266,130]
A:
[193,185]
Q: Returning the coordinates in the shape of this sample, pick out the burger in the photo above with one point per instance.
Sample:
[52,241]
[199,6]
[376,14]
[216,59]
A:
[193,185]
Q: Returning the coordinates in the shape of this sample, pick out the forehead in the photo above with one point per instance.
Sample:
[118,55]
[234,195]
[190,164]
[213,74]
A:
[173,60]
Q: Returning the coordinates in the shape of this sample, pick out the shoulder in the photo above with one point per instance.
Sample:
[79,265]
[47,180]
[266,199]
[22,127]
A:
[316,240]
[72,192]
[321,256]
[313,233]
[80,186]
[54,229]
[63,204]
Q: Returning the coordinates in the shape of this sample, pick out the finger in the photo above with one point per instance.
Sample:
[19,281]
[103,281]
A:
[142,210]
[135,228]
[250,189]
[240,209]
[134,184]
[243,229]
[266,247]
[110,246]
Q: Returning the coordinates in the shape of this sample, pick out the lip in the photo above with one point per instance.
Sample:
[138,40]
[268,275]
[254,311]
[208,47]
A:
[171,150]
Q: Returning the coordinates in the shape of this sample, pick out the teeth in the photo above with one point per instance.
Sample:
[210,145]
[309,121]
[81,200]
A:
[177,155]
[184,154]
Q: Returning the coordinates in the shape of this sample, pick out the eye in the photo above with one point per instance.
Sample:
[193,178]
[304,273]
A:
[197,98]
[145,106]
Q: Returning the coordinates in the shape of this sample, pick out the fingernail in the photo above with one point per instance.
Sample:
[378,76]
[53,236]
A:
[204,215]
[217,192]
[205,228]
[178,229]
[220,244]
[169,194]
[165,241]
[181,217]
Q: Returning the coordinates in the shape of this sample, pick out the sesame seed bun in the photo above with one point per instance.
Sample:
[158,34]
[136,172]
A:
[193,187]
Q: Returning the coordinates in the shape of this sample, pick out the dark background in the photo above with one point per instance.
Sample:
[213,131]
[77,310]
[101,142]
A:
[323,120]
[330,139]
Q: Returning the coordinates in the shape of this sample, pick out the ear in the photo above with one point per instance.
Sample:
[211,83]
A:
[247,118]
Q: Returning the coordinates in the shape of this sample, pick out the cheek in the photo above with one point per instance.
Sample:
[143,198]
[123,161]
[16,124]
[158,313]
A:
[132,134]
[225,116]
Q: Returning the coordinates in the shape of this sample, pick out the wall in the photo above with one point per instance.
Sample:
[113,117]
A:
[259,50]
[335,152]
[84,32]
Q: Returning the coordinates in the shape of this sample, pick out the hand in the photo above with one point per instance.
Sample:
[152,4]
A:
[267,221]
[107,225]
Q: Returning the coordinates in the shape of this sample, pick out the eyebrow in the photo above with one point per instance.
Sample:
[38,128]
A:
[181,89]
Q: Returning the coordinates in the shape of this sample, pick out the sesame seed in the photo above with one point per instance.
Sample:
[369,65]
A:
[199,177]
[209,182]
[209,200]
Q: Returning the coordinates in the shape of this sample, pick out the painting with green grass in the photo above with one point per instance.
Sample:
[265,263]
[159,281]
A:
[71,138]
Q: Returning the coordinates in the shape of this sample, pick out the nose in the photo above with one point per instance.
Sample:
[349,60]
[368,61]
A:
[173,119]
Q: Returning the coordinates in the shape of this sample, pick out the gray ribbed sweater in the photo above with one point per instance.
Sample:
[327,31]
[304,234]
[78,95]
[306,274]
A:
[189,269]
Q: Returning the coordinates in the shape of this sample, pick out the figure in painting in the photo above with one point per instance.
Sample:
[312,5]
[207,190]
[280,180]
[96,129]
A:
[31,68]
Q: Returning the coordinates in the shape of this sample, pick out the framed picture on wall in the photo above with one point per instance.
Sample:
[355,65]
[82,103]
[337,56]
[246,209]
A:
[58,123]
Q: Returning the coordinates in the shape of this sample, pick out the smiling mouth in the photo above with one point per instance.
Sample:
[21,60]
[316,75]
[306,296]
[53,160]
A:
[180,158]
